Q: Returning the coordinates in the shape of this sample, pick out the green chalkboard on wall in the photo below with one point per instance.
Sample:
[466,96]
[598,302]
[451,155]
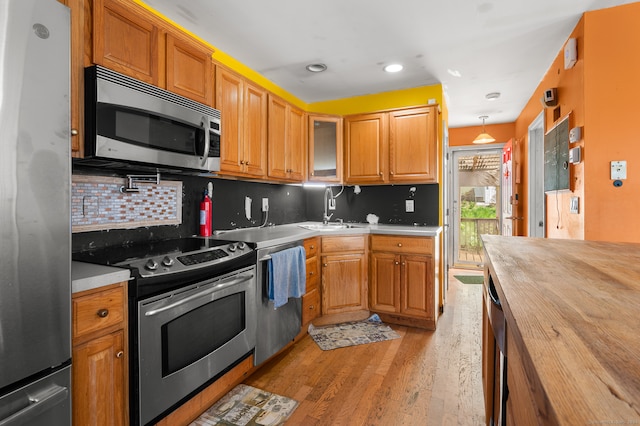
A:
[556,157]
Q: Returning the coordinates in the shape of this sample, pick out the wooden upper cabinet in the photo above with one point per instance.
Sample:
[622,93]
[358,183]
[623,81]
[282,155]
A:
[129,39]
[365,151]
[297,144]
[255,129]
[325,148]
[189,70]
[126,41]
[392,147]
[243,107]
[229,100]
[287,141]
[79,18]
[413,137]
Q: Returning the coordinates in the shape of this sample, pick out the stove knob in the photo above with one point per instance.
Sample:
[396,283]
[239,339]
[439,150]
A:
[232,248]
[167,261]
[242,245]
[151,265]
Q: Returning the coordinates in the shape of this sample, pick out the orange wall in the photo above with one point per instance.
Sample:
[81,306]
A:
[569,83]
[612,96]
[463,136]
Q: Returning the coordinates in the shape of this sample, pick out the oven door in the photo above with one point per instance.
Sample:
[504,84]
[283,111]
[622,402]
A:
[190,335]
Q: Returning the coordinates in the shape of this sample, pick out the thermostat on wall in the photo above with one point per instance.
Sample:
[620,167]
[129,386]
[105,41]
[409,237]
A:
[570,53]
[575,134]
[574,155]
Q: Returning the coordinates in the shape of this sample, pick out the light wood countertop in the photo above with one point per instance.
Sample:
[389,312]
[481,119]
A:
[573,308]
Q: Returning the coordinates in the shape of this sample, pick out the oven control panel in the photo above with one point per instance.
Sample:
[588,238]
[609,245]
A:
[172,263]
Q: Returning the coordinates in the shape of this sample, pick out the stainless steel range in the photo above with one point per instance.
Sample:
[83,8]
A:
[192,316]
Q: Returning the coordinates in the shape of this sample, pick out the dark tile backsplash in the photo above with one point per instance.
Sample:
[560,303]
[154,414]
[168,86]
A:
[287,204]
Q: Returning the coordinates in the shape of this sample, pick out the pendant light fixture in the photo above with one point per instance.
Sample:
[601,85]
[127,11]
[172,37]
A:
[484,137]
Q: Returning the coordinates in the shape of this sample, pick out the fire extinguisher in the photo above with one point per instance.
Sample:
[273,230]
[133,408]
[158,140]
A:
[206,207]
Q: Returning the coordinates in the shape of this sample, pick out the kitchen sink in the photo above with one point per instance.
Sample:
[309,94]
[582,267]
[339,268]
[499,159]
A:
[327,227]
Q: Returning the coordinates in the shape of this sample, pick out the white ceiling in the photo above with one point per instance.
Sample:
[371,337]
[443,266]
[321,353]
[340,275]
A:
[501,46]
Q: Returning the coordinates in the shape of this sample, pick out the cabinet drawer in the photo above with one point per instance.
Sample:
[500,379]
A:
[398,244]
[311,247]
[312,273]
[99,310]
[340,244]
[310,306]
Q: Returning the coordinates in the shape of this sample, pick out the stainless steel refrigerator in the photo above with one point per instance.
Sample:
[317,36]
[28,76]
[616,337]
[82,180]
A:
[35,235]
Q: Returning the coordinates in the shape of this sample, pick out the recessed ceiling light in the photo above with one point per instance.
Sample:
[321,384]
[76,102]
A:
[316,67]
[492,96]
[393,68]
[454,73]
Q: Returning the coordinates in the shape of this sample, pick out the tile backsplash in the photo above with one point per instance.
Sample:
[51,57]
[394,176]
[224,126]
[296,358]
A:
[98,204]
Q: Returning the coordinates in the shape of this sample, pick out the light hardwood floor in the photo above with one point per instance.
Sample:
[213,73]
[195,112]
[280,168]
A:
[423,378]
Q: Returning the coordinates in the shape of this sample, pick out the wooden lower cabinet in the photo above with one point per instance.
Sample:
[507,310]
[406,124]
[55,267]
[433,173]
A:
[344,274]
[99,381]
[311,299]
[403,280]
[100,359]
[521,408]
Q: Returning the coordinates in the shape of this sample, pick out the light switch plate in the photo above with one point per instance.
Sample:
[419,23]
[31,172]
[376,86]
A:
[618,170]
[573,208]
[409,206]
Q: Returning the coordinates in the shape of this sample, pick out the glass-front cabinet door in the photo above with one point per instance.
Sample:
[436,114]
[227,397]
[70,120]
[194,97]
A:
[325,148]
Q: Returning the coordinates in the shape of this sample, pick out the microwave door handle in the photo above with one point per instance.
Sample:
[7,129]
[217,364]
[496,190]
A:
[221,285]
[207,140]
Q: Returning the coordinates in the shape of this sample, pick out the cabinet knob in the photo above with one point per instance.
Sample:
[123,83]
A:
[380,174]
[325,265]
[312,246]
[120,354]
[102,313]
[246,162]
[403,264]
[399,244]
[74,132]
[312,307]
[397,263]
[391,173]
[312,273]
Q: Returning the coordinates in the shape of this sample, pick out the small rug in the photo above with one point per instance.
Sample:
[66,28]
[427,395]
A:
[352,333]
[245,405]
[470,279]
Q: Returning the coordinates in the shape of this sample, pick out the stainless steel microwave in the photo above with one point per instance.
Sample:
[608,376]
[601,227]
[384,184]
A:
[133,125]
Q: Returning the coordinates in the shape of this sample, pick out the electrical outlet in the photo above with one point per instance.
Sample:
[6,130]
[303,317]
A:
[409,206]
[265,204]
[332,204]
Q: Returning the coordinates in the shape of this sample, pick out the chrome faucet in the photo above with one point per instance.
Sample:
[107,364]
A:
[328,201]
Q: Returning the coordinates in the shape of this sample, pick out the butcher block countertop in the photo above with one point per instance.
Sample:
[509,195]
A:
[573,308]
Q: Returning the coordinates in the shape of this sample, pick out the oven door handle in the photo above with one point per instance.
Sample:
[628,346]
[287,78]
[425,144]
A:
[220,286]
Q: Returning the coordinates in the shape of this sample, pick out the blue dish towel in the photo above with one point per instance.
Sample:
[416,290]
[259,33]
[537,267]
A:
[286,275]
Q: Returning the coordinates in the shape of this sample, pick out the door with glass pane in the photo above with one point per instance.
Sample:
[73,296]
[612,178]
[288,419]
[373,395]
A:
[476,202]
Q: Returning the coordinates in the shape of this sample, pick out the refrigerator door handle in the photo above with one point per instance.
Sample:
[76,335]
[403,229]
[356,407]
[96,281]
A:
[38,404]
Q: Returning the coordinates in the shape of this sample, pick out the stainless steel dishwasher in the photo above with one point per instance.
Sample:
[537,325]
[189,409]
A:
[276,327]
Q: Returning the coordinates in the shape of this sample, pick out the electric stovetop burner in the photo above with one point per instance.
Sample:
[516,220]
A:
[155,258]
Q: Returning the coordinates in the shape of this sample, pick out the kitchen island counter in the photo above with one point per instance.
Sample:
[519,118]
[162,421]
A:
[571,311]
[282,234]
